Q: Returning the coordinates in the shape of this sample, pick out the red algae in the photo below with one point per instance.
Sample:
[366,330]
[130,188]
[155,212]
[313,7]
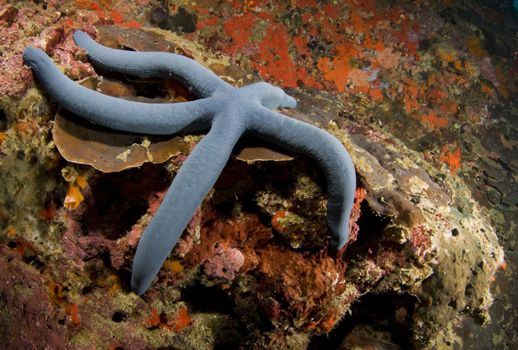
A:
[284,285]
[359,197]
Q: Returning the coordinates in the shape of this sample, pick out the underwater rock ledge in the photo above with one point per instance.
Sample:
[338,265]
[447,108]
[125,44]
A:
[251,269]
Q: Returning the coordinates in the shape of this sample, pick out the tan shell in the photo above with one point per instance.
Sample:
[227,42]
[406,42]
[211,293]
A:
[253,154]
[108,150]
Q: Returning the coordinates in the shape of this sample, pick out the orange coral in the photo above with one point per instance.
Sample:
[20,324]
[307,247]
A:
[23,247]
[410,104]
[87,5]
[376,94]
[276,218]
[359,197]
[239,30]
[154,320]
[178,323]
[437,95]
[173,266]
[110,281]
[337,69]
[10,231]
[412,91]
[56,293]
[248,6]
[328,323]
[451,158]
[449,107]
[72,310]
[273,50]
[181,321]
[117,17]
[434,121]
[73,198]
[486,89]
[131,24]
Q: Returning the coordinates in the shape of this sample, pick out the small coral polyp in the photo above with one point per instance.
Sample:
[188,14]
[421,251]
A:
[226,111]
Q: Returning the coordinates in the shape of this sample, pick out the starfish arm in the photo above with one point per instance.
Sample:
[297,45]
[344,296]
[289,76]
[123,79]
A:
[112,112]
[330,154]
[201,80]
[190,186]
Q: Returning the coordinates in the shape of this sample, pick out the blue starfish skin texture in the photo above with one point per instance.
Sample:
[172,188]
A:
[226,111]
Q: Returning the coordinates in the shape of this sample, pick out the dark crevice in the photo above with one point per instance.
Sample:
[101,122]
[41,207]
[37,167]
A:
[215,300]
[381,308]
[392,314]
[219,300]
[3,120]
[119,316]
[371,226]
[119,200]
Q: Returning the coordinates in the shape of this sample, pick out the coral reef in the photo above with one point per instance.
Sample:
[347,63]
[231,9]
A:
[225,111]
[421,95]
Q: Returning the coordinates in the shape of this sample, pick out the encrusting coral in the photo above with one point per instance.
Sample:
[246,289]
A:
[228,112]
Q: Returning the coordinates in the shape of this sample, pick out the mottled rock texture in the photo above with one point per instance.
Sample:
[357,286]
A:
[421,100]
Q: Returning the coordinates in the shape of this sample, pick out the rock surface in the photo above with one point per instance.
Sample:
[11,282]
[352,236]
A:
[409,99]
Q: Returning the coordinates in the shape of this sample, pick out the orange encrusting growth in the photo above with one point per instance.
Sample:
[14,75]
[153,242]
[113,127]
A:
[179,322]
[275,54]
[451,158]
[434,121]
[72,310]
[153,320]
[276,218]
[11,231]
[337,69]
[173,266]
[105,11]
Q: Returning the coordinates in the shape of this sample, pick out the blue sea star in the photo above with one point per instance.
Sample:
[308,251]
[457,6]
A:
[226,111]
